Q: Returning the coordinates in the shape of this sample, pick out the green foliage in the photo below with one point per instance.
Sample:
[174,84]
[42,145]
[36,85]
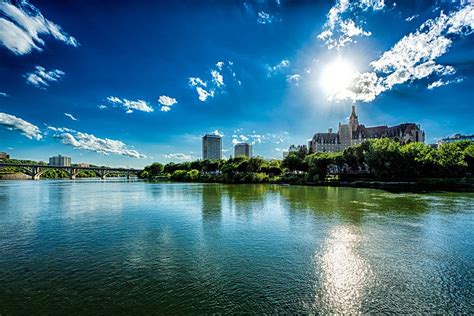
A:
[383,158]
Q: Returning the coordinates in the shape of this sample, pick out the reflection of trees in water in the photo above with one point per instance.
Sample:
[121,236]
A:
[246,199]
[351,203]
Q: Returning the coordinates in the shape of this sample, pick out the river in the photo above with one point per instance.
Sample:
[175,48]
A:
[91,246]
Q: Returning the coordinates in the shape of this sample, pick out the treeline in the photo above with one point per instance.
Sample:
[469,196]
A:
[381,159]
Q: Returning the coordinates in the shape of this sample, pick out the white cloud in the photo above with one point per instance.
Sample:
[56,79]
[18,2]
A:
[294,78]
[340,28]
[102,107]
[70,116]
[179,156]
[411,18]
[199,84]
[21,26]
[92,143]
[166,103]
[220,64]
[218,133]
[15,123]
[215,84]
[3,94]
[204,94]
[217,78]
[439,83]
[411,58]
[130,105]
[282,65]
[41,78]
[265,18]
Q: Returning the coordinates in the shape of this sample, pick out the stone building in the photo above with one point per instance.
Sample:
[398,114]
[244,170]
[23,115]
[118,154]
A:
[354,133]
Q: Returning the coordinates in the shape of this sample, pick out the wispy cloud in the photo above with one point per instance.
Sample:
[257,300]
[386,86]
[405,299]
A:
[41,78]
[90,142]
[27,129]
[340,27]
[179,156]
[412,58]
[70,116]
[200,86]
[3,94]
[166,103]
[265,18]
[411,18]
[294,78]
[21,26]
[439,83]
[209,88]
[217,132]
[129,105]
[254,138]
[278,68]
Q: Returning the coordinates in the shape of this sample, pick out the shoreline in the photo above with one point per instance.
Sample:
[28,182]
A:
[410,186]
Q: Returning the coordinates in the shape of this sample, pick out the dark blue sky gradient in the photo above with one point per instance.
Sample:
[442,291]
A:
[144,49]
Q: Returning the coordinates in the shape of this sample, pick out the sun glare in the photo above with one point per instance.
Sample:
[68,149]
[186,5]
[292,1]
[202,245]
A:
[337,76]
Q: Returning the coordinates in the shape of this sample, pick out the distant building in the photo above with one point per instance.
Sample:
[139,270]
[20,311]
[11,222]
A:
[456,138]
[354,133]
[83,165]
[211,147]
[4,155]
[60,161]
[285,154]
[243,149]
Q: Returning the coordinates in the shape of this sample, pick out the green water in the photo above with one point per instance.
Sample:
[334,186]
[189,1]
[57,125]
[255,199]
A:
[94,247]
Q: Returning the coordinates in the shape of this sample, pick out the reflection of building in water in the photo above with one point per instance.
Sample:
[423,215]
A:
[344,274]
[211,197]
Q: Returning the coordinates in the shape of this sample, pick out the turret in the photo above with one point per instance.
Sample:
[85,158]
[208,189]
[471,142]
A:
[354,120]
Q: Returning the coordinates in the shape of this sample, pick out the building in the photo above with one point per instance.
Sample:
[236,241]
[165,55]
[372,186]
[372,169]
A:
[4,155]
[456,138]
[243,149]
[60,161]
[211,147]
[83,165]
[354,133]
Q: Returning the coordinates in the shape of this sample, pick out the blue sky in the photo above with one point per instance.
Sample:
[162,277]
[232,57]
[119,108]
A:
[127,83]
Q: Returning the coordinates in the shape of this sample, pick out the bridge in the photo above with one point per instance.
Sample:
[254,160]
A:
[36,170]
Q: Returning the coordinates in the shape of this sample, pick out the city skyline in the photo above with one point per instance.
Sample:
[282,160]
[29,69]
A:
[139,85]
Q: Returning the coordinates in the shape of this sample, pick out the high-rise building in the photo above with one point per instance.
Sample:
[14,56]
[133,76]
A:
[243,149]
[353,133]
[4,155]
[211,147]
[60,161]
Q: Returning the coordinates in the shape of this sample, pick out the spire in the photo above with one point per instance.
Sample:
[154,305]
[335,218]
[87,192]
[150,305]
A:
[353,114]
[353,119]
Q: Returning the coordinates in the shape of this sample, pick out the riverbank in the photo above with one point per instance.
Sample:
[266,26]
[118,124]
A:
[426,185]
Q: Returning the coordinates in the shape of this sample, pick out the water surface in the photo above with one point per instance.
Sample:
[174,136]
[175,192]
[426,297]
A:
[90,246]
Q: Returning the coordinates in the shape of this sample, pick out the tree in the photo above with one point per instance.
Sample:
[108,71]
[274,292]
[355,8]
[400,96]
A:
[384,158]
[294,162]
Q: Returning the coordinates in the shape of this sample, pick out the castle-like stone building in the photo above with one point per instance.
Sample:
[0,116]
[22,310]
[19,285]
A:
[353,133]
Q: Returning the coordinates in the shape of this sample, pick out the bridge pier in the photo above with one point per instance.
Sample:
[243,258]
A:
[36,173]
[73,173]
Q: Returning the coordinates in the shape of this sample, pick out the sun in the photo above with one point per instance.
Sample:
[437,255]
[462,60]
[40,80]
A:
[337,76]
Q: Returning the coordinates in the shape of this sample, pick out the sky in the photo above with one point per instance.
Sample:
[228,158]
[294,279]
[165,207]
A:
[128,83]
